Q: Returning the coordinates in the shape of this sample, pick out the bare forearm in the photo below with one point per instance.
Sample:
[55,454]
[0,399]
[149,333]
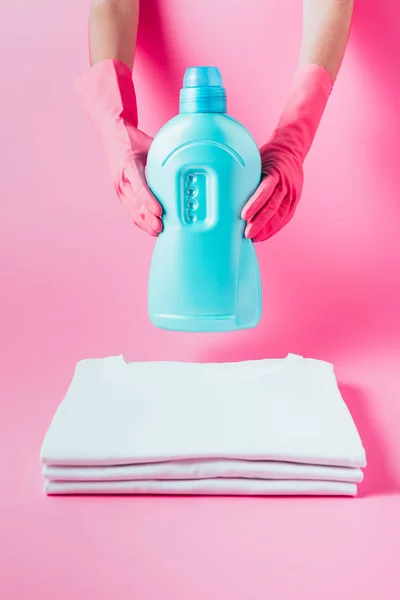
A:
[113,30]
[326,27]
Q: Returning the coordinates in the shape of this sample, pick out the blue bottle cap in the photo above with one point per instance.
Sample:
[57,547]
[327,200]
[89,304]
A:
[202,91]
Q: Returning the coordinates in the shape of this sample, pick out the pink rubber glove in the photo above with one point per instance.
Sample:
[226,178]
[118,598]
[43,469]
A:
[108,96]
[275,201]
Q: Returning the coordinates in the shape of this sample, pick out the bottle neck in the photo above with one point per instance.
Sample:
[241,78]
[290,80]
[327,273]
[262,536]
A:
[202,100]
[202,91]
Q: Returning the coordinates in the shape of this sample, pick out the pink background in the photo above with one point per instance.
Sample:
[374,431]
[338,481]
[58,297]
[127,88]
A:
[73,285]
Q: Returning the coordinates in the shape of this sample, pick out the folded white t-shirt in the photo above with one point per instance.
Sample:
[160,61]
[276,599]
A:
[119,413]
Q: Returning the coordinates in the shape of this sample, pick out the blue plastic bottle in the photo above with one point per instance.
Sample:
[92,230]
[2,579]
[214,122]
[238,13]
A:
[203,166]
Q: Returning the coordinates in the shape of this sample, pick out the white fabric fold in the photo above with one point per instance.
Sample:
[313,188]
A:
[204,469]
[209,487]
[275,426]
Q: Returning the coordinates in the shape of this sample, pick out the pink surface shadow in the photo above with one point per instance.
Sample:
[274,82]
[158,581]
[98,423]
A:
[379,476]
[376,31]
[376,35]
[154,48]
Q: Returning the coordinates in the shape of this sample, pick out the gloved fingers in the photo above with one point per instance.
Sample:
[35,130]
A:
[267,212]
[284,222]
[278,221]
[284,216]
[145,219]
[153,222]
[143,141]
[260,196]
[141,190]
[139,212]
[146,197]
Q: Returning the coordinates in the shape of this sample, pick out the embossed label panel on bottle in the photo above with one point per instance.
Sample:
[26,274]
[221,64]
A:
[194,196]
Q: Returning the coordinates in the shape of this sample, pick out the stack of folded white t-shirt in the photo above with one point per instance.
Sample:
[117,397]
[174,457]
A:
[265,427]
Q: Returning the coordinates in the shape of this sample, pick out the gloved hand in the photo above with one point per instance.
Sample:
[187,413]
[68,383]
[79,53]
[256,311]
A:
[108,96]
[273,204]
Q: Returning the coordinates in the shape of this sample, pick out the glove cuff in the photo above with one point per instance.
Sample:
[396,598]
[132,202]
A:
[303,110]
[107,94]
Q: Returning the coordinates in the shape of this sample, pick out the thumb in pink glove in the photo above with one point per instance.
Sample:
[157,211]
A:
[108,96]
[273,204]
